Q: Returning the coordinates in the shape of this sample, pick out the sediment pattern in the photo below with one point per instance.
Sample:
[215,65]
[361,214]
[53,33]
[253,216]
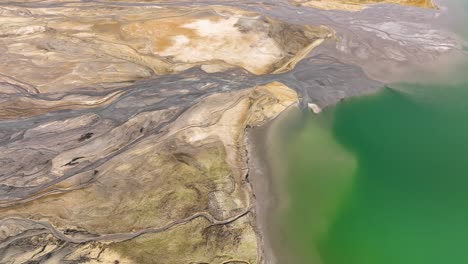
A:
[110,46]
[357,5]
[123,124]
[168,170]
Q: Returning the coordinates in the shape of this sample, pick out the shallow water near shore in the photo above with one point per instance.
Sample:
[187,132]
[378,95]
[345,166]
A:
[383,179]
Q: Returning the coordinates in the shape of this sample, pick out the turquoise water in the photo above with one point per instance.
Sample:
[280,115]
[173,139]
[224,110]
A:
[383,179]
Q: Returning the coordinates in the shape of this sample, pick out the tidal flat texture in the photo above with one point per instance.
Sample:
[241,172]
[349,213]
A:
[124,124]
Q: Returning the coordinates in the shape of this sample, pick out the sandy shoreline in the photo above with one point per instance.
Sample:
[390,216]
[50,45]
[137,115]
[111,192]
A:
[268,186]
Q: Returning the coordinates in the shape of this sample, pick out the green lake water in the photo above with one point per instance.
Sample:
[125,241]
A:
[382,179]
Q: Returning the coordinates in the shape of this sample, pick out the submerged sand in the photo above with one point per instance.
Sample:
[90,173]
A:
[266,174]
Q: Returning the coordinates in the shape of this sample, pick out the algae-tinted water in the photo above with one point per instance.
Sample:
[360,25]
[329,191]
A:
[383,179]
